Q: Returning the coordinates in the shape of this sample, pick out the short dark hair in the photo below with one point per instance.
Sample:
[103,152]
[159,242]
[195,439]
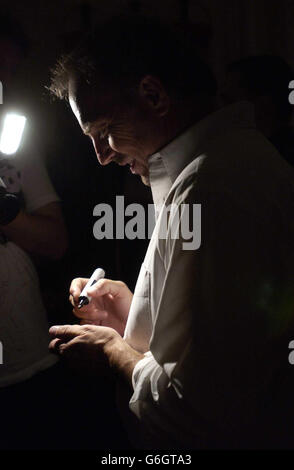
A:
[124,50]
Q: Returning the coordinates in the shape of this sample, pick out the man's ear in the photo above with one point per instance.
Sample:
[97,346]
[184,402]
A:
[154,95]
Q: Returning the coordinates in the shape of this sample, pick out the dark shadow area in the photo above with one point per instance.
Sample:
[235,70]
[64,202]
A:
[58,408]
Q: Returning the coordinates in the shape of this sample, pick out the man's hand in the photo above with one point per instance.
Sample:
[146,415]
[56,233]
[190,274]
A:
[90,345]
[110,304]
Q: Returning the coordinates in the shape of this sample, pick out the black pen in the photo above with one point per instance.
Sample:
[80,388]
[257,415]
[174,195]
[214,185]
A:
[84,298]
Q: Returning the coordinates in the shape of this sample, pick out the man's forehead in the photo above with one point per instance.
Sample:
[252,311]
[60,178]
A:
[83,101]
[91,102]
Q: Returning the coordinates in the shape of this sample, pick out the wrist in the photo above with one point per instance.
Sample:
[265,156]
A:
[122,357]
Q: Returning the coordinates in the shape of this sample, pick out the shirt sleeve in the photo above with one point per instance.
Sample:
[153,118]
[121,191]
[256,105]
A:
[36,186]
[211,352]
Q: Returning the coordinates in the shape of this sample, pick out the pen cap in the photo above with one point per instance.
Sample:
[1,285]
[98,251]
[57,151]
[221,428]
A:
[99,273]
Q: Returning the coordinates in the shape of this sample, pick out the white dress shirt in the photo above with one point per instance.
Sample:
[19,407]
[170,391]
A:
[210,321]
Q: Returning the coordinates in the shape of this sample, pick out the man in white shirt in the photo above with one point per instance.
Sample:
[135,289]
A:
[203,340]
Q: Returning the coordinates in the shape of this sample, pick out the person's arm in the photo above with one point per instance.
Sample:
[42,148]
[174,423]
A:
[210,351]
[39,227]
[41,232]
[89,344]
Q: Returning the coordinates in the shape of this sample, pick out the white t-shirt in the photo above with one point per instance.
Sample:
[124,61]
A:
[23,321]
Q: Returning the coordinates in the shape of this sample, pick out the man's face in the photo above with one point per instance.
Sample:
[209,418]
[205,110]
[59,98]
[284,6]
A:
[120,131]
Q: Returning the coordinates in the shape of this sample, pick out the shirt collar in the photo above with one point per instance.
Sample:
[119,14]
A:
[168,163]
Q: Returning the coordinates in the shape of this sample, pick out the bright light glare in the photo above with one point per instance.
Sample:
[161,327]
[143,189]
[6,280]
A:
[12,133]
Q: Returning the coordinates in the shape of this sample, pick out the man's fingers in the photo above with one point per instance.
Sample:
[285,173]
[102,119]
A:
[76,287]
[106,286]
[71,299]
[59,347]
[65,332]
[97,291]
[93,314]
[90,322]
[55,345]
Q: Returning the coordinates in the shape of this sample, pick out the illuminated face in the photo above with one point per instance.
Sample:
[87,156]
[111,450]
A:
[121,133]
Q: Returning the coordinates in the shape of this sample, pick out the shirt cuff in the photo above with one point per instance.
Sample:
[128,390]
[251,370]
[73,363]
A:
[139,366]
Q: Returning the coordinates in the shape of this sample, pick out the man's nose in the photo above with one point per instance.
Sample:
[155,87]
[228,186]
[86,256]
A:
[102,149]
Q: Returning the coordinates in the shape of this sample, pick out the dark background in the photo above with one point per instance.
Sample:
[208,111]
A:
[225,30]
